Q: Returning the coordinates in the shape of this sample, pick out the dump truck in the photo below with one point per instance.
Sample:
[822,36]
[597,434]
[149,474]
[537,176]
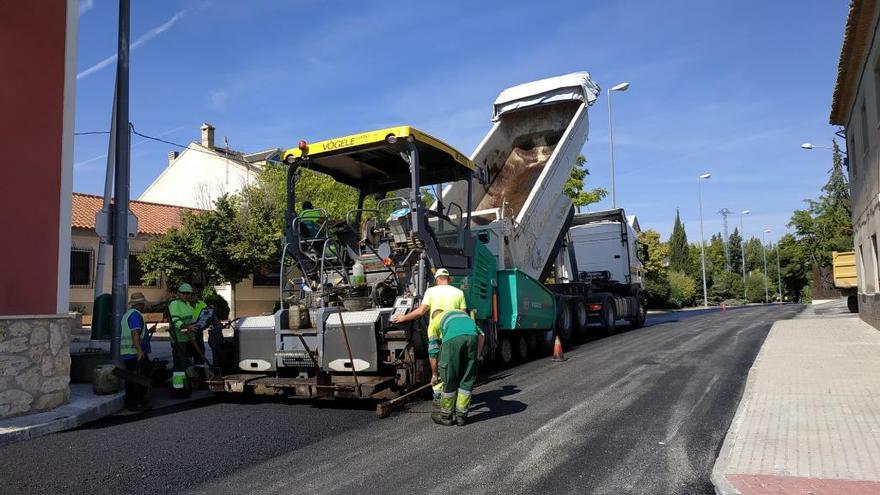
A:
[845,275]
[523,217]
[500,225]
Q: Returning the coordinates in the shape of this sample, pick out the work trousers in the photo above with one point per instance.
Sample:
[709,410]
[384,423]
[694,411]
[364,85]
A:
[458,372]
[184,356]
[134,393]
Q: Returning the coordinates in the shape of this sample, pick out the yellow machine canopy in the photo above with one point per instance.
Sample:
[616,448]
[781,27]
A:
[375,161]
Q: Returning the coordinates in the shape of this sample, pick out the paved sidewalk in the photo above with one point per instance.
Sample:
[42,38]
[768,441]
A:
[809,418]
[84,406]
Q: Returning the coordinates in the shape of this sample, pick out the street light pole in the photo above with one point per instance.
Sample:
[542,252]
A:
[764,255]
[702,239]
[620,87]
[742,245]
[778,272]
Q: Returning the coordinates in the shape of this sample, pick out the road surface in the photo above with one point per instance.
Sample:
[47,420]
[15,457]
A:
[643,411]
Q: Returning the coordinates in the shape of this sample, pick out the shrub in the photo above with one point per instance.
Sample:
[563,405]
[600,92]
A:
[658,292]
[682,289]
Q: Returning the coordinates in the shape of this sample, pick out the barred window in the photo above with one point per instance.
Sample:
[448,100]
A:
[82,264]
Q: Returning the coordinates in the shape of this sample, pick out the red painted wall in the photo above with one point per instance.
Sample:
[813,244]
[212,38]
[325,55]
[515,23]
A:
[32,36]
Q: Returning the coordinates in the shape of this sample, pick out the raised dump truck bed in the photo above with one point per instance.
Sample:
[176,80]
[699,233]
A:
[539,129]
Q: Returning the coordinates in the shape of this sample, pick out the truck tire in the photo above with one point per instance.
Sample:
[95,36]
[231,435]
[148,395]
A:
[609,317]
[641,314]
[563,320]
[581,318]
[505,351]
[522,348]
[852,303]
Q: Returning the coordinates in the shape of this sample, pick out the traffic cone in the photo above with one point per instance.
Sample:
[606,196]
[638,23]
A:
[557,351]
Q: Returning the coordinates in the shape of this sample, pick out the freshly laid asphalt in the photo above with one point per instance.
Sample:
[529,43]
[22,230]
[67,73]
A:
[643,411]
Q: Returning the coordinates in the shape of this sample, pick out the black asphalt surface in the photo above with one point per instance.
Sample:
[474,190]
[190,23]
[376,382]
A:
[643,411]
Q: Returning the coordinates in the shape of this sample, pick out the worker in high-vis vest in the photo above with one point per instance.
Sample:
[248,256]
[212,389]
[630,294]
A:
[441,297]
[454,344]
[184,350]
[132,342]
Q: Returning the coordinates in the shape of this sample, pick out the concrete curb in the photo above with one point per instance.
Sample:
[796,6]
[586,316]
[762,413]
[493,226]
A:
[719,480]
[67,417]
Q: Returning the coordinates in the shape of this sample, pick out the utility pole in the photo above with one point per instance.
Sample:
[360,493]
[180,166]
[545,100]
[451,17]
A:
[108,193]
[726,241]
[121,189]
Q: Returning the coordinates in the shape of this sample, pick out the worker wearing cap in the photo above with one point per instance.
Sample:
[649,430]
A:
[454,343]
[132,349]
[180,311]
[441,297]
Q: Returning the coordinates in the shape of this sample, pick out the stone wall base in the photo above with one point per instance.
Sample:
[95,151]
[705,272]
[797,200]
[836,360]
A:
[34,363]
[869,309]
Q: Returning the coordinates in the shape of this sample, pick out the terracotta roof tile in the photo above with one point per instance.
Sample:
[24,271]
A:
[153,218]
[856,44]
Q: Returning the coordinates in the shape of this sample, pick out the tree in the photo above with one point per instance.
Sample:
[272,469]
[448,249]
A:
[726,285]
[171,255]
[754,257]
[574,186]
[682,289]
[653,254]
[716,260]
[795,269]
[826,224]
[679,254]
[735,245]
[755,286]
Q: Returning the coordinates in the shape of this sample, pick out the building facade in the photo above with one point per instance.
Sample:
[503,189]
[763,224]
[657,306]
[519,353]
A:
[254,296]
[204,171]
[37,94]
[856,107]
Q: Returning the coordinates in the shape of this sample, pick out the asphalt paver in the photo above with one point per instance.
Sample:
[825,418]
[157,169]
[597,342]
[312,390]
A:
[643,411]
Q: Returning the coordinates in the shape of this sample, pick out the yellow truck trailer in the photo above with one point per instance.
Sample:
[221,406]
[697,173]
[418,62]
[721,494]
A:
[846,277]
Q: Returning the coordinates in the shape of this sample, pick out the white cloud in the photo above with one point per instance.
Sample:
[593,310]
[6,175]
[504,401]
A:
[156,31]
[85,6]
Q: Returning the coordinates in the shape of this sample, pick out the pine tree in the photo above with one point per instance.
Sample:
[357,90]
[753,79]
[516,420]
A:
[735,246]
[679,252]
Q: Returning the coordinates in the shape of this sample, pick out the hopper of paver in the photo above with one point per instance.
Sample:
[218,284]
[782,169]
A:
[520,209]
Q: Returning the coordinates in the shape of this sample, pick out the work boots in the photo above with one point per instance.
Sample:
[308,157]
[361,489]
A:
[441,419]
[460,419]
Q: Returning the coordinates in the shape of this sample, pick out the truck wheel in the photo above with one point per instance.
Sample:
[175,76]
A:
[563,320]
[505,351]
[581,318]
[852,303]
[609,320]
[641,314]
[522,348]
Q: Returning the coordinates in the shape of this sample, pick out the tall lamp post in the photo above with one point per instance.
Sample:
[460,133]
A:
[702,239]
[764,255]
[778,272]
[742,245]
[620,87]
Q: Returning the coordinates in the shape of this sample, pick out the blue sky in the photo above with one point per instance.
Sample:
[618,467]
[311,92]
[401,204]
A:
[730,88]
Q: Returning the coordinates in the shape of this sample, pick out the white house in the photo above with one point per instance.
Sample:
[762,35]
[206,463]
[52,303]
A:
[199,175]
[202,172]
